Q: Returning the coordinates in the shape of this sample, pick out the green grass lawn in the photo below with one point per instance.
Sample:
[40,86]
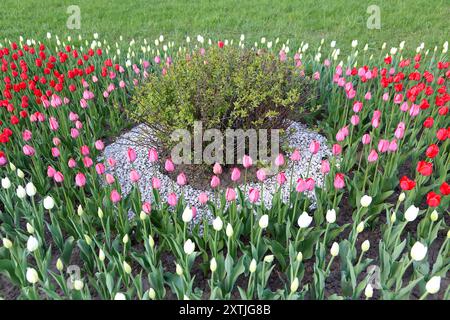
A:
[309,20]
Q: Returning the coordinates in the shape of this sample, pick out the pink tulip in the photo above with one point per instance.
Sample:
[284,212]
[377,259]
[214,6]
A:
[56,141]
[414,111]
[131,155]
[399,132]
[99,145]
[110,178]
[84,150]
[26,135]
[80,180]
[373,156]
[100,168]
[134,176]
[72,163]
[203,198]
[261,174]
[53,124]
[316,76]
[325,167]
[375,122]
[87,162]
[235,174]
[354,120]
[310,183]
[73,116]
[169,166]
[314,147]
[111,162]
[217,169]
[366,139]
[181,179]
[172,199]
[340,136]
[156,183]
[295,156]
[3,160]
[115,196]
[147,207]
[55,152]
[279,160]
[215,181]
[230,194]
[368,96]
[337,149]
[74,133]
[339,181]
[357,106]
[152,155]
[393,146]
[404,107]
[247,161]
[50,172]
[301,185]
[383,145]
[78,125]
[253,195]
[58,177]
[281,178]
[28,150]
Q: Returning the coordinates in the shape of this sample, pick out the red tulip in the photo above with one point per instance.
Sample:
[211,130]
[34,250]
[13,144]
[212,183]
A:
[433,199]
[425,168]
[406,183]
[432,151]
[445,188]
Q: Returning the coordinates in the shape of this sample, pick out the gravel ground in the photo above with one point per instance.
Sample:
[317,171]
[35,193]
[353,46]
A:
[300,138]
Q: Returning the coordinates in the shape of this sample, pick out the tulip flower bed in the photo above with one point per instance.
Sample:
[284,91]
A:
[379,229]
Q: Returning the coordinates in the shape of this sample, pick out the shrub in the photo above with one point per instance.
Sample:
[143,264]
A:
[223,88]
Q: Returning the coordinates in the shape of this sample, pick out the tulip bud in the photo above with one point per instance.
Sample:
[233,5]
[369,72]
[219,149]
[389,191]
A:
[217,224]
[401,197]
[100,213]
[360,227]
[151,241]
[59,265]
[393,217]
[20,174]
[49,203]
[120,296]
[334,249]
[252,267]
[30,228]
[368,292]
[7,243]
[213,265]
[433,285]
[32,276]
[268,258]
[229,231]
[12,166]
[178,269]
[88,239]
[142,216]
[126,267]
[78,285]
[299,257]
[365,246]
[434,216]
[32,244]
[101,255]
[80,210]
[294,285]
[125,239]
[151,293]
[264,221]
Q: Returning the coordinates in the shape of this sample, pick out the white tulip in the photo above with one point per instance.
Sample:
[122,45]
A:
[299,257]
[7,243]
[366,201]
[434,216]
[418,251]
[294,285]
[59,265]
[213,265]
[21,193]
[393,217]
[229,230]
[433,285]
[178,269]
[151,293]
[12,166]
[401,197]
[252,267]
[20,174]
[125,239]
[142,216]
[30,228]
[80,210]
[334,249]
[411,213]
[187,215]
[6,183]
[268,258]
[331,216]
[49,203]
[78,285]
[360,227]
[365,246]
[101,255]
[304,220]
[217,224]
[30,189]
[151,241]
[368,292]
[32,244]
[354,43]
[32,276]
[264,221]
[126,267]
[100,213]
[120,296]
[189,247]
